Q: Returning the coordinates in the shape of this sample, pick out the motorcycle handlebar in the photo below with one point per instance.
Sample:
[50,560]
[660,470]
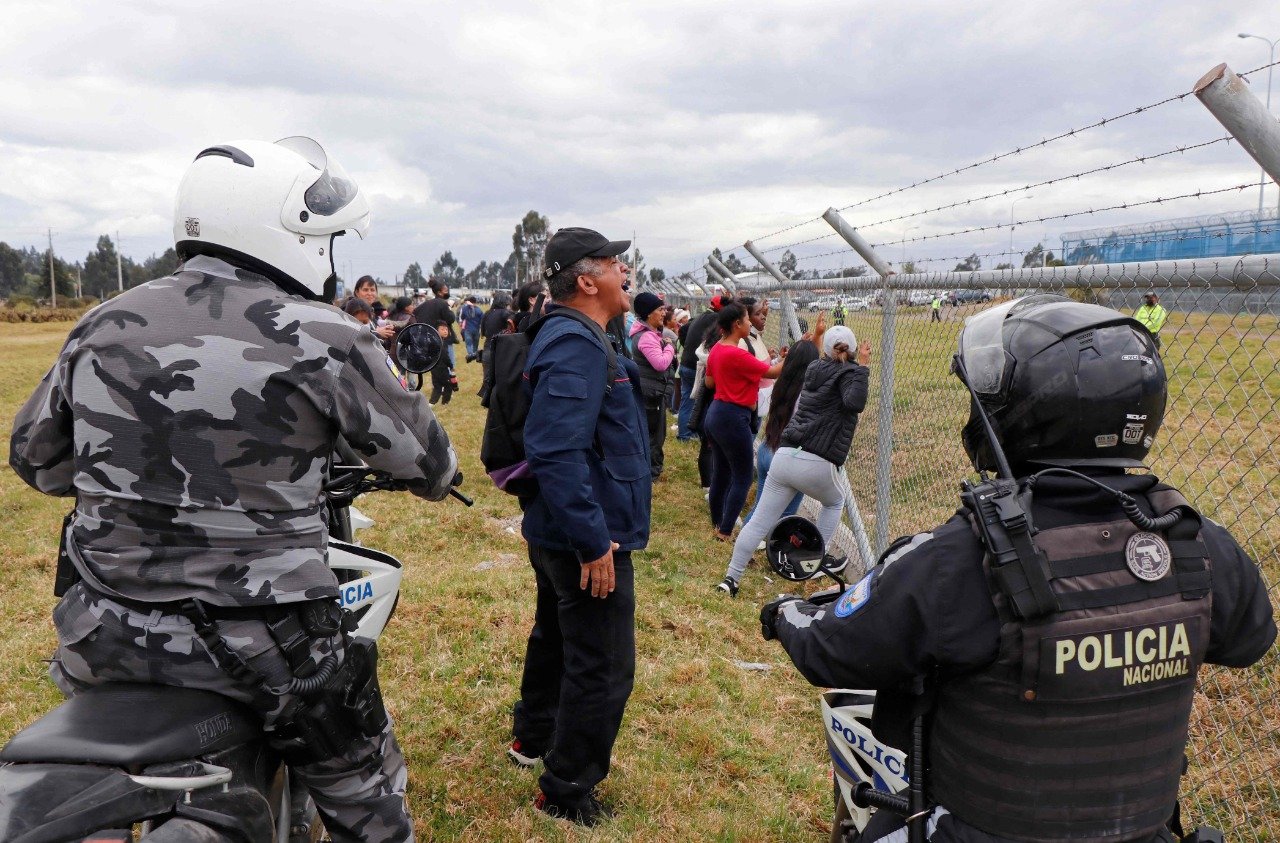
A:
[865,795]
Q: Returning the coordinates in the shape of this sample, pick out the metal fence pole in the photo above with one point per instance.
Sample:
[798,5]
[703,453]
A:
[714,276]
[884,436]
[791,324]
[1240,111]
[730,280]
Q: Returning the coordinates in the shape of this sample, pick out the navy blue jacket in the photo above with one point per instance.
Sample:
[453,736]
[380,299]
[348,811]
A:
[588,448]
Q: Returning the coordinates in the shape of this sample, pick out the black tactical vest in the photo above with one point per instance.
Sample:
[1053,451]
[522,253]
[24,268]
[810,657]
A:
[1077,730]
[655,385]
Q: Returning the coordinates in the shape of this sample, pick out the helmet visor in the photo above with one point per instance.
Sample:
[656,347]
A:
[982,348]
[334,189]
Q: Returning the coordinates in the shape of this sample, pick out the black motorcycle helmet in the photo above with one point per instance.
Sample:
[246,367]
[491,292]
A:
[795,548]
[1064,383]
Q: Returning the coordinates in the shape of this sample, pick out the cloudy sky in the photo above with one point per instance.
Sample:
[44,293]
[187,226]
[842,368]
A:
[692,123]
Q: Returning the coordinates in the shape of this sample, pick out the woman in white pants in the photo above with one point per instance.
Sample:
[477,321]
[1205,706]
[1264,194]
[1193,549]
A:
[814,448]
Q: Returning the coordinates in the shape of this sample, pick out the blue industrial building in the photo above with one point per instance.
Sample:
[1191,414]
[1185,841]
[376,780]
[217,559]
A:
[1215,235]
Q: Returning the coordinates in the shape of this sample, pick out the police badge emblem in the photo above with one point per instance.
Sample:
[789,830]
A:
[1148,556]
[193,227]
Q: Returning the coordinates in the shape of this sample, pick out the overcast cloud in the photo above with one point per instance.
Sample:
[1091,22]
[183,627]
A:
[694,124]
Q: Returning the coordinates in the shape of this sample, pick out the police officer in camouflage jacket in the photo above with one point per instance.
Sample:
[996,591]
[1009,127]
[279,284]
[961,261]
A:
[192,418]
[1057,674]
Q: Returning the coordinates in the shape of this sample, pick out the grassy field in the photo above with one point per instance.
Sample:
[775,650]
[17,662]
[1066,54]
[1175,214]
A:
[708,751]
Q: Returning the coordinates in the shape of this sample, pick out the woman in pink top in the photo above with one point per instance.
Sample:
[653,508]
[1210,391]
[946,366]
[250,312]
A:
[655,357]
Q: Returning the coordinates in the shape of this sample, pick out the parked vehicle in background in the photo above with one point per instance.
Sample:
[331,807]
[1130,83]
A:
[920,297]
[824,303]
[971,296]
[858,304]
[774,304]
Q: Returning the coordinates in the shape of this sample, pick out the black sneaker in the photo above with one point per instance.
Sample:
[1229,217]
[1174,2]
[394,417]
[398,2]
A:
[589,812]
[834,565]
[729,586]
[521,755]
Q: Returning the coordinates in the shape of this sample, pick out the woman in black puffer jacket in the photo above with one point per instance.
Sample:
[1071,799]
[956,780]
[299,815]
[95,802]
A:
[814,447]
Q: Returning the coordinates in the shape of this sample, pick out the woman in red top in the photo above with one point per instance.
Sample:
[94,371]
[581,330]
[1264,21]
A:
[730,424]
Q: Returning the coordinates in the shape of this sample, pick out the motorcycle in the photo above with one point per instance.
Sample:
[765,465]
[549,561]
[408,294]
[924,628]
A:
[161,764]
[867,774]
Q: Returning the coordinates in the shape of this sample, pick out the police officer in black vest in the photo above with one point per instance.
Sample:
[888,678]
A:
[1052,629]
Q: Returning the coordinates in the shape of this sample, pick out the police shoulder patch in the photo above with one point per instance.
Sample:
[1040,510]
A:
[857,596]
[395,370]
[1148,556]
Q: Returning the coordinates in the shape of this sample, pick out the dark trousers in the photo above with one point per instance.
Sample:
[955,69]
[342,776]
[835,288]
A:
[686,404]
[728,426]
[441,381]
[656,418]
[578,671]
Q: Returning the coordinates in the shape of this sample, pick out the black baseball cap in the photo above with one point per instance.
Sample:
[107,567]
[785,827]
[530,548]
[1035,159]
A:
[570,245]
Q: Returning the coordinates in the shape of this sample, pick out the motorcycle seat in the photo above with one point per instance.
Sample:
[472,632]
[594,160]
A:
[132,725]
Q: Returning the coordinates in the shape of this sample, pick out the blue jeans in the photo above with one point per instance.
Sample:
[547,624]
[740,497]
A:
[764,458]
[687,376]
[472,339]
[728,427]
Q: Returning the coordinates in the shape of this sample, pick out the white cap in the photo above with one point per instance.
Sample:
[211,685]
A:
[837,334]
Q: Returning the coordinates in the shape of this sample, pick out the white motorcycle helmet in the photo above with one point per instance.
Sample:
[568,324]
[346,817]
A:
[272,207]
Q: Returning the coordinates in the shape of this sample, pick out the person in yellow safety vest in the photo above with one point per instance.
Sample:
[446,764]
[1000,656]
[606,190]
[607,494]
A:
[1152,315]
[937,308]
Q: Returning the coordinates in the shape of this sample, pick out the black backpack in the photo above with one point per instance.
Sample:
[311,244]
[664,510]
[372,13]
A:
[503,395]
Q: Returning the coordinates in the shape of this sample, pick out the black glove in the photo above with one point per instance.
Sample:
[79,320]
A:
[769,615]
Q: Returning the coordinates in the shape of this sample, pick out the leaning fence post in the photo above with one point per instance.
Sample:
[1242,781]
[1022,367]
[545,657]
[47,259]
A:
[884,436]
[730,280]
[792,324]
[1240,111]
[714,276]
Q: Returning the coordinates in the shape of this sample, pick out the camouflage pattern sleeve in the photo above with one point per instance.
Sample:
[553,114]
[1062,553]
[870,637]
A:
[391,427]
[41,449]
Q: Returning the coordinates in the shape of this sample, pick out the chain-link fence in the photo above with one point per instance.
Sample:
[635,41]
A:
[1218,444]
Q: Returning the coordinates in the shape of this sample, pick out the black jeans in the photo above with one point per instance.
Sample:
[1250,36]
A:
[733,463]
[656,420]
[578,671]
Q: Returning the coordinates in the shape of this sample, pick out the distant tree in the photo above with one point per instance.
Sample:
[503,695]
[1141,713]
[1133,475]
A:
[847,272]
[99,276]
[908,268]
[1004,266]
[446,268]
[11,272]
[529,245]
[157,266]
[733,264]
[656,275]
[413,276]
[970,264]
[787,264]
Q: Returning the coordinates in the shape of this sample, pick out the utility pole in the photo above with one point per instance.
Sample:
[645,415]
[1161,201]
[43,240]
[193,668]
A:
[53,287]
[79,292]
[119,266]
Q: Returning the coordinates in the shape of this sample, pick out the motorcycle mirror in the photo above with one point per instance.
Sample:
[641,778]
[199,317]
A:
[795,549]
[418,348]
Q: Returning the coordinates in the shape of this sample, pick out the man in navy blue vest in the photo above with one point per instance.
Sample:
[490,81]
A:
[587,445]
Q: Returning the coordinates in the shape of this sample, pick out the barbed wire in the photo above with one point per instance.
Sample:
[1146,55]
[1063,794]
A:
[1010,225]
[1044,142]
[1021,253]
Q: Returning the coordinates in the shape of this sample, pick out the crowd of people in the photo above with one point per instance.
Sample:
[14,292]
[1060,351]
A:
[934,625]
